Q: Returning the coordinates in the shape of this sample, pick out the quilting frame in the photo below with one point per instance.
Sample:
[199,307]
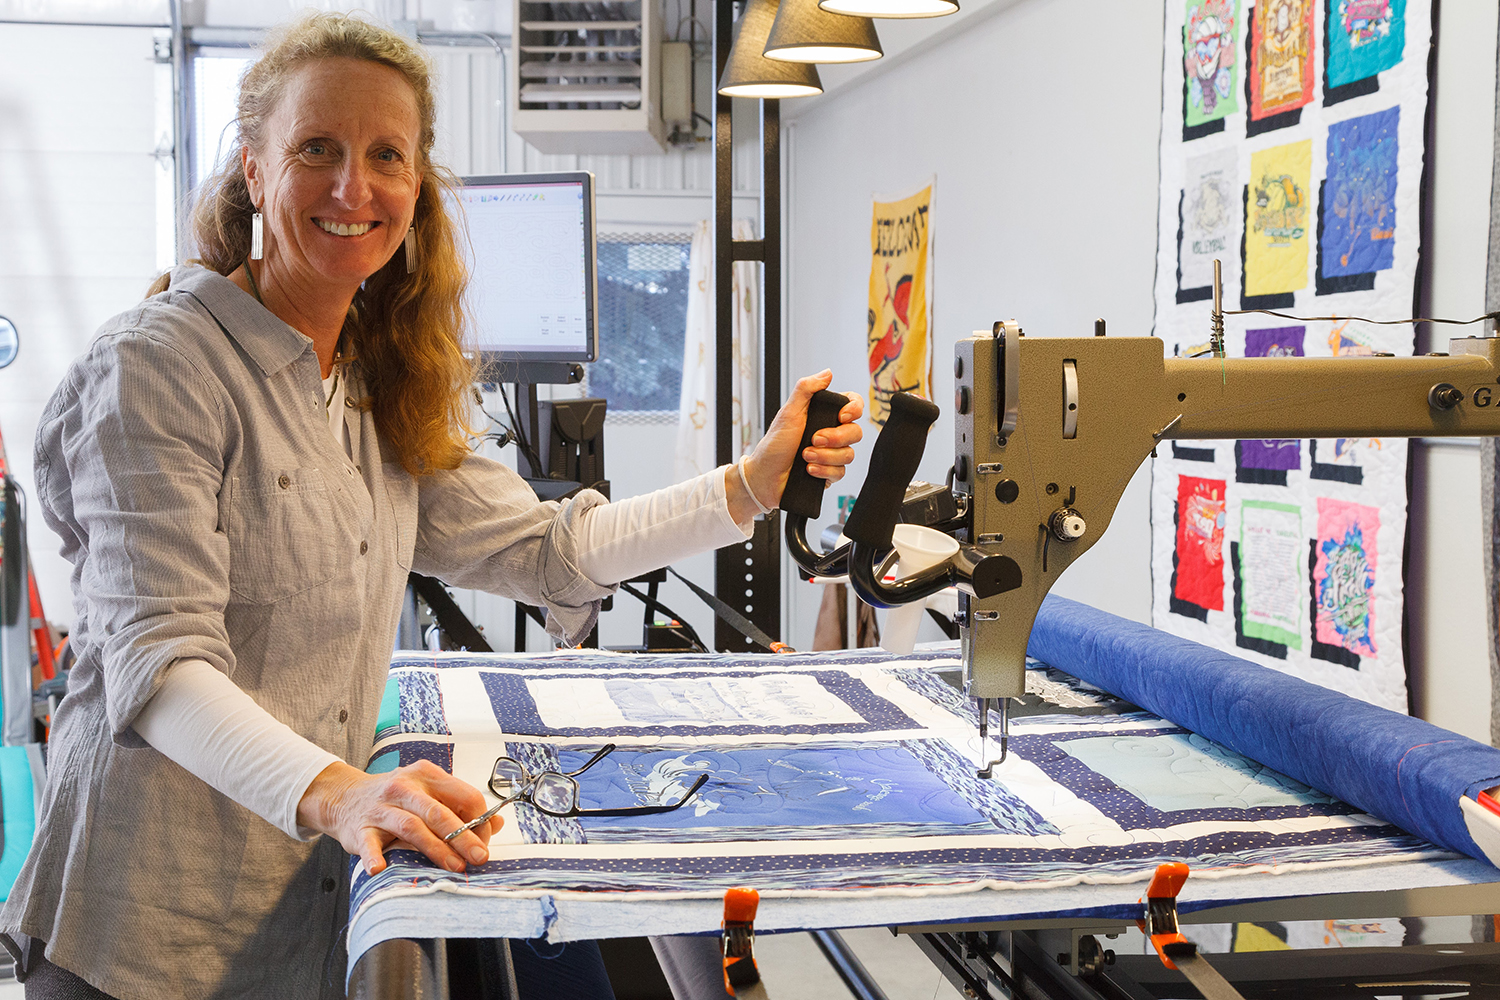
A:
[864,809]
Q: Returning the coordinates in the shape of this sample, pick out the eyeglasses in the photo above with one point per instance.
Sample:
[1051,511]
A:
[556,793]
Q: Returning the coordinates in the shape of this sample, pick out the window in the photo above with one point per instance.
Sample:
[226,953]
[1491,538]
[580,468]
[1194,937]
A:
[643,296]
[215,90]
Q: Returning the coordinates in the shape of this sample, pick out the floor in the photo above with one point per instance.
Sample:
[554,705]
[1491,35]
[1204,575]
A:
[793,968]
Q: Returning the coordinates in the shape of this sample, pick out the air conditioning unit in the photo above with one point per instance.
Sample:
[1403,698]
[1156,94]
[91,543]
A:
[587,77]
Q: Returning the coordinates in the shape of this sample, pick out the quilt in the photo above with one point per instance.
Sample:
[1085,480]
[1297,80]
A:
[1293,151]
[847,775]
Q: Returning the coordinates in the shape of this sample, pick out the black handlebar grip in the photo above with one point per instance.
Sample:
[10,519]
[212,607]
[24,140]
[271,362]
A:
[893,462]
[804,492]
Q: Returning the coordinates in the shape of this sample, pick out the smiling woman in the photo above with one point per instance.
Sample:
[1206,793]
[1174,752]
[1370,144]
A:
[336,178]
[335,124]
[243,470]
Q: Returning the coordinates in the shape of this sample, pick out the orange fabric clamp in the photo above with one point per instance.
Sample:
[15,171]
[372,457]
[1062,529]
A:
[740,905]
[1159,921]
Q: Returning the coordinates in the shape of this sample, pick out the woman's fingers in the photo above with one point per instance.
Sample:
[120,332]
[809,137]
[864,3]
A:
[828,463]
[415,806]
[422,800]
[457,794]
[443,821]
[371,850]
[854,409]
[842,436]
[413,829]
[810,384]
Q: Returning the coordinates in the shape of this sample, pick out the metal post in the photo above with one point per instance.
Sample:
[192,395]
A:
[746,576]
[723,241]
[181,160]
[770,233]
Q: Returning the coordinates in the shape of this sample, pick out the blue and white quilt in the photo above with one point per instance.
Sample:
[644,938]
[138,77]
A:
[851,772]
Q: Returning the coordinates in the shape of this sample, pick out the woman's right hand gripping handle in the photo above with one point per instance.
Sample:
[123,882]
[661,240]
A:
[415,805]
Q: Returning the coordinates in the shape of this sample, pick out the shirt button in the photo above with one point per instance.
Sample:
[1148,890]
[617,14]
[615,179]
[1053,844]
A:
[349,403]
[284,481]
[343,715]
[364,547]
[330,884]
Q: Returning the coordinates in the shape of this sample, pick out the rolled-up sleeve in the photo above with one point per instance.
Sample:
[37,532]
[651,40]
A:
[480,526]
[130,466]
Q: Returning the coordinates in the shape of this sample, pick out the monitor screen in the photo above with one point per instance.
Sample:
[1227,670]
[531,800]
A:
[531,257]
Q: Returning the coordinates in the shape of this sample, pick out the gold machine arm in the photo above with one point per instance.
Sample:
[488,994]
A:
[1049,431]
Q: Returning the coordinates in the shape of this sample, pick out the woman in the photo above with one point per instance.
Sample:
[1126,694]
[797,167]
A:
[241,535]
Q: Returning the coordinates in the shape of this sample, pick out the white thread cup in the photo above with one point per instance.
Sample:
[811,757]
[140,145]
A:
[917,548]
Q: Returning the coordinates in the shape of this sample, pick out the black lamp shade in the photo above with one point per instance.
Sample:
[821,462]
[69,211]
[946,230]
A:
[806,33]
[891,8]
[748,73]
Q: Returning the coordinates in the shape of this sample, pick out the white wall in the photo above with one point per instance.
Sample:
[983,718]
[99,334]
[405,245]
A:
[1043,139]
[78,216]
[1045,211]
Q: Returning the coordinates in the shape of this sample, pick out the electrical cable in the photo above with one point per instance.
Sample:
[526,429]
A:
[682,628]
[521,440]
[1361,319]
[737,621]
[503,438]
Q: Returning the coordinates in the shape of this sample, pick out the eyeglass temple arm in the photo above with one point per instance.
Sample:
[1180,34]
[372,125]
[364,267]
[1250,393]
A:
[647,810]
[603,752]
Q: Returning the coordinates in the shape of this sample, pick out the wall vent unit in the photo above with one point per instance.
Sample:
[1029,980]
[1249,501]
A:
[587,76]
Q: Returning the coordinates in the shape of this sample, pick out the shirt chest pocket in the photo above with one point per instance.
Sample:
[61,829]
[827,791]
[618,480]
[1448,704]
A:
[283,535]
[401,491]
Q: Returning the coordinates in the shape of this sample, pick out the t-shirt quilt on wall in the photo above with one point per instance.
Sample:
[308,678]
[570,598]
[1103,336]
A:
[1292,151]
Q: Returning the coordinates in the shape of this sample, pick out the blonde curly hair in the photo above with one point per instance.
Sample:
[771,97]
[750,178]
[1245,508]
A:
[406,329]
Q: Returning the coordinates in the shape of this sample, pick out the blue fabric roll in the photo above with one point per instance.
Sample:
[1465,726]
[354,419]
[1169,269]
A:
[1403,770]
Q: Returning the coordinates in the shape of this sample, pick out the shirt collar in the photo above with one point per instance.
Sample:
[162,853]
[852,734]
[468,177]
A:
[270,343]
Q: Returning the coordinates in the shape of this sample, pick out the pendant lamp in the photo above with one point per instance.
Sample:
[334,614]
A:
[891,8]
[806,33]
[748,73]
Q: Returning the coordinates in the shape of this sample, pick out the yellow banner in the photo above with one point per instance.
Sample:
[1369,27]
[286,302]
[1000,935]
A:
[897,338]
[1277,219]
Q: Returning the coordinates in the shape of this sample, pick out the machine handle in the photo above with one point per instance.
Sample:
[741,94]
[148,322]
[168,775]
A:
[893,463]
[803,494]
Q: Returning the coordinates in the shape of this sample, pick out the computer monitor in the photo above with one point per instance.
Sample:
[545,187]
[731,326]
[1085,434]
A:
[530,248]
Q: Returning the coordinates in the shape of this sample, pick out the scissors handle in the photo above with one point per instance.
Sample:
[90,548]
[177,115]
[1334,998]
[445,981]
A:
[486,815]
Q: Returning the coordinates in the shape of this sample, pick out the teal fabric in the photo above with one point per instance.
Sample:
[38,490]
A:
[384,763]
[17,798]
[390,707]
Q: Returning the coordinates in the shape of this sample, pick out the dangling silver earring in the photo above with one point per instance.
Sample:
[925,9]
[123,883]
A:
[257,237]
[411,250]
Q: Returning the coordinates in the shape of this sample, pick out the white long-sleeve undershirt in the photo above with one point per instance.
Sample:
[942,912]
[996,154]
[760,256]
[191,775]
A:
[207,724]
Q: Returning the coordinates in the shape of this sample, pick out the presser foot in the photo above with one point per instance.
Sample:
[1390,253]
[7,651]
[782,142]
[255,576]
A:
[988,771]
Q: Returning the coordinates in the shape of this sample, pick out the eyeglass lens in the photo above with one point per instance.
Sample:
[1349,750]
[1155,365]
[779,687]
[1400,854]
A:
[508,778]
[555,793]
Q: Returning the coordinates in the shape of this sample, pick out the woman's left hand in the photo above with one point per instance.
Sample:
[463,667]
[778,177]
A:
[769,465]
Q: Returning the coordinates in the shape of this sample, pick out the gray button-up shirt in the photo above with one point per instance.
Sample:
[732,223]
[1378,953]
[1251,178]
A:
[186,463]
